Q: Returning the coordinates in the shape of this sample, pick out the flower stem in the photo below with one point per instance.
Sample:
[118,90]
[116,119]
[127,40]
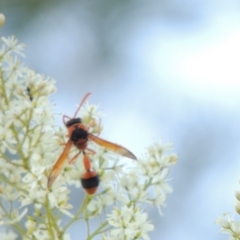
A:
[97,231]
[86,200]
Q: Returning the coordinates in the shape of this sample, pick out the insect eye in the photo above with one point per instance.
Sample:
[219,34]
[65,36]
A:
[73,121]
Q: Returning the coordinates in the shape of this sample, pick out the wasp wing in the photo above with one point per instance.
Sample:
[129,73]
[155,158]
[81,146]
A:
[58,166]
[112,146]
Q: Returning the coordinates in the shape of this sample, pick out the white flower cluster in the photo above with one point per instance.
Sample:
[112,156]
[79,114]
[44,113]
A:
[126,188]
[228,224]
[128,223]
[28,145]
[31,143]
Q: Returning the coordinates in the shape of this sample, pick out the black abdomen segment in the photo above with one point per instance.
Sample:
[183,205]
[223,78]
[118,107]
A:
[89,183]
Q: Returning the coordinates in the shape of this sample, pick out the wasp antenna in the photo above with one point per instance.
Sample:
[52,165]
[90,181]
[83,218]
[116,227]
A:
[82,102]
[64,118]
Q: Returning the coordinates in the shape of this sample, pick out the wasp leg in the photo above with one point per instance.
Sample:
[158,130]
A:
[89,151]
[73,159]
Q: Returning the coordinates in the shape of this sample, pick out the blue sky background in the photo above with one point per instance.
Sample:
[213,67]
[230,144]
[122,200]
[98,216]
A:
[160,70]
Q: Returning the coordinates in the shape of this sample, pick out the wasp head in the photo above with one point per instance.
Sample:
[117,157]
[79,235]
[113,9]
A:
[73,121]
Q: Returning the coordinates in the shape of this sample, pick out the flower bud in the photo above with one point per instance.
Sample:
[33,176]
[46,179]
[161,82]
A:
[224,222]
[2,19]
[237,195]
[237,207]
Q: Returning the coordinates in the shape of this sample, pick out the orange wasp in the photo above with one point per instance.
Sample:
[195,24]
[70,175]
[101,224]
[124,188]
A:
[79,136]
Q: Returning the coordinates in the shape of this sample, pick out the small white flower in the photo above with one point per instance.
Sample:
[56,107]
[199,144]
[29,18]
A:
[95,207]
[58,197]
[36,177]
[16,217]
[31,225]
[142,225]
[237,195]
[8,235]
[159,202]
[11,45]
[236,227]
[129,223]
[42,233]
[224,222]
[33,196]
[237,206]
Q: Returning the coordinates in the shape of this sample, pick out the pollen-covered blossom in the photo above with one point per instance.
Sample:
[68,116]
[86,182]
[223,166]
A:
[30,145]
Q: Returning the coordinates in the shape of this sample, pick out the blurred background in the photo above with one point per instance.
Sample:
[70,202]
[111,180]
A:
[160,69]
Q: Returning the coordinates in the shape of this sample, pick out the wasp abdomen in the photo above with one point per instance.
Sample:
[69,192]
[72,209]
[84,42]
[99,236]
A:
[90,182]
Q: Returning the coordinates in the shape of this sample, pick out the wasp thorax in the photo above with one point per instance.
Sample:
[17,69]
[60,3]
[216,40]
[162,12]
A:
[78,134]
[73,121]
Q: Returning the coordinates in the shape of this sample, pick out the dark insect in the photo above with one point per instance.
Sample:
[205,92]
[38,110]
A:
[29,94]
[79,136]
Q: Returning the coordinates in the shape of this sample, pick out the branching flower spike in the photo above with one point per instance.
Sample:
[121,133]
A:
[34,200]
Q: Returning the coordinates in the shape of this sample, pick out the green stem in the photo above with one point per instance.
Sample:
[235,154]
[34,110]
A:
[81,209]
[3,87]
[88,227]
[149,183]
[97,231]
[15,225]
[52,221]
[6,180]
[105,230]
[3,156]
